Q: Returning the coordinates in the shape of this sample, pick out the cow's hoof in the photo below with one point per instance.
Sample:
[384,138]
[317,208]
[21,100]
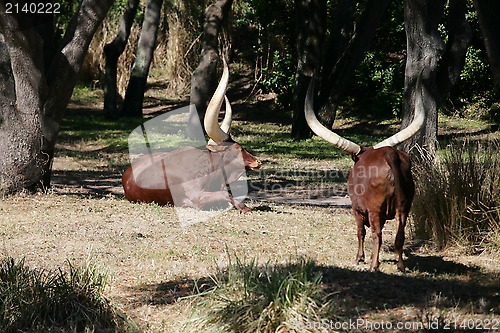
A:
[245,210]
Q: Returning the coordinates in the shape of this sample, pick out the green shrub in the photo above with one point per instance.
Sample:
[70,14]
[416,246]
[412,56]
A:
[269,298]
[457,196]
[34,300]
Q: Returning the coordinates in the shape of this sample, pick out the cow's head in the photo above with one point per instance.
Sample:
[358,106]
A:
[220,139]
[351,147]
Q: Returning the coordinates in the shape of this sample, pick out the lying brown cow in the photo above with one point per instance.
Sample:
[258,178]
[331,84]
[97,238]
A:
[380,183]
[196,177]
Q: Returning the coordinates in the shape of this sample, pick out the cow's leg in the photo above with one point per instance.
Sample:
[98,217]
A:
[209,198]
[360,223]
[239,205]
[376,224]
[400,239]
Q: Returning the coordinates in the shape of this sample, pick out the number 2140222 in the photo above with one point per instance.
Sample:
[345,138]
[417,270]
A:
[33,8]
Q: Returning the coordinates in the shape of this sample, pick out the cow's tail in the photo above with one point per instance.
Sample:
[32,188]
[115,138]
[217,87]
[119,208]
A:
[399,162]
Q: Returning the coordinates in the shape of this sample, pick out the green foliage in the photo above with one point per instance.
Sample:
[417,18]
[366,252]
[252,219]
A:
[279,77]
[379,82]
[36,300]
[69,7]
[457,196]
[271,30]
[379,78]
[379,85]
[475,87]
[269,298]
[267,20]
[473,94]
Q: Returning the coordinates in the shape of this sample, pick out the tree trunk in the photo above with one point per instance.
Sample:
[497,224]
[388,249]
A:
[340,62]
[311,26]
[438,64]
[34,99]
[343,27]
[112,53]
[424,50]
[338,80]
[488,11]
[134,97]
[20,133]
[204,78]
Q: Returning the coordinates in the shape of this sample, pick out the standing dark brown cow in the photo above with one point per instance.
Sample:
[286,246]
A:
[196,177]
[380,183]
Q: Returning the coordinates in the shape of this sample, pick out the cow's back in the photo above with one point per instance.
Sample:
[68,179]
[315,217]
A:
[381,180]
[137,189]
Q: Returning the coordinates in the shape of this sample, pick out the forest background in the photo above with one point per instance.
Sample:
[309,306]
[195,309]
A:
[261,39]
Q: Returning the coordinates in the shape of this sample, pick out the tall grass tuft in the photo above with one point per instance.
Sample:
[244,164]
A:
[33,300]
[268,298]
[457,195]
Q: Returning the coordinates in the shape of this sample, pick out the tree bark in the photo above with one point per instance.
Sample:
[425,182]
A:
[488,11]
[134,97]
[204,77]
[112,53]
[36,97]
[437,63]
[311,26]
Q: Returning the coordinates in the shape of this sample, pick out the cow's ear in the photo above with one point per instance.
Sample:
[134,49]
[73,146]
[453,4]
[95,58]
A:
[355,157]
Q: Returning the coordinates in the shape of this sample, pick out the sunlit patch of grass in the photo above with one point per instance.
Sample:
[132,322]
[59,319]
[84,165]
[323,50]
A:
[93,127]
[83,94]
[275,139]
[460,124]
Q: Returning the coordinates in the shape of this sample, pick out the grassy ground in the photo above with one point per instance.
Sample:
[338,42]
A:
[155,264]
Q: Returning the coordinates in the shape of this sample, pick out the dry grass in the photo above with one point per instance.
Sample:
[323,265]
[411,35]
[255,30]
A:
[176,53]
[457,195]
[153,262]
[144,246]
[248,297]
[62,300]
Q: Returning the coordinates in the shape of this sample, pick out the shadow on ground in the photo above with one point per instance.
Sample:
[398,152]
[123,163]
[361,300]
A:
[97,184]
[357,293]
[100,184]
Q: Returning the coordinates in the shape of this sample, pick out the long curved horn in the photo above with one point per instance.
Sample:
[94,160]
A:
[228,117]
[416,124]
[211,123]
[322,131]
[226,122]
